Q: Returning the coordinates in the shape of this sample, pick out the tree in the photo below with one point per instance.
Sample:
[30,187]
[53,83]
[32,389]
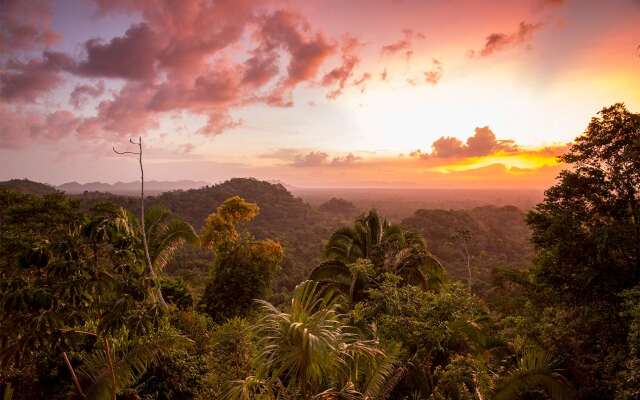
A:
[108,371]
[535,370]
[239,276]
[443,337]
[243,268]
[143,230]
[385,247]
[361,240]
[166,233]
[310,352]
[66,276]
[587,235]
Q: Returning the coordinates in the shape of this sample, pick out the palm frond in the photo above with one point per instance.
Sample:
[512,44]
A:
[131,361]
[535,371]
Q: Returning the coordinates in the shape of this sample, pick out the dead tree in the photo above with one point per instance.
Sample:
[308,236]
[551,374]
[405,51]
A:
[145,244]
[464,237]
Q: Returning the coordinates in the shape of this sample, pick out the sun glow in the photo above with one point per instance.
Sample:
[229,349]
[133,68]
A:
[511,161]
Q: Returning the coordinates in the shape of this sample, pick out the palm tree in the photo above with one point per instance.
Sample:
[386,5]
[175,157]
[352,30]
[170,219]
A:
[310,350]
[535,370]
[389,248]
[348,244]
[165,234]
[109,371]
[352,280]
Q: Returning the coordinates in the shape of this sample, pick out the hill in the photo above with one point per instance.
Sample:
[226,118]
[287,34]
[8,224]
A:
[495,237]
[284,217]
[27,186]
[498,236]
[130,188]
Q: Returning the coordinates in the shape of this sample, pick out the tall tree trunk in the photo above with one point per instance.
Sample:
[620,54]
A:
[152,272]
[143,230]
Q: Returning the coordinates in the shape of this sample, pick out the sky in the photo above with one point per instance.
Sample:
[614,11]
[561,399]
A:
[315,93]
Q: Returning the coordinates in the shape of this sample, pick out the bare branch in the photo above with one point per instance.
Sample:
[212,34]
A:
[77,331]
[76,382]
[111,369]
[143,230]
[124,152]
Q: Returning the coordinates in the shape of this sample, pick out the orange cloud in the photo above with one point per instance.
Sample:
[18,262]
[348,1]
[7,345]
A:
[480,161]
[496,42]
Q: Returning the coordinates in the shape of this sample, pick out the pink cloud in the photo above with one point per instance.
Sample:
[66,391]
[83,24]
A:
[312,159]
[81,92]
[482,143]
[500,41]
[404,45]
[125,114]
[131,56]
[339,75]
[434,75]
[320,159]
[25,24]
[26,81]
[291,32]
[19,128]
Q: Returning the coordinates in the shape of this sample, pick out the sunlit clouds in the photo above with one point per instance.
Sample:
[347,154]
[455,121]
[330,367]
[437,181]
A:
[329,93]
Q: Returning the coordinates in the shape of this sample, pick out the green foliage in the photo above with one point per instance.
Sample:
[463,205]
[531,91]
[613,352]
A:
[220,228]
[377,321]
[587,233]
[497,237]
[243,268]
[240,275]
[62,269]
[130,358]
[628,379]
[433,329]
[357,256]
[166,233]
[232,351]
[311,351]
[535,370]
[175,292]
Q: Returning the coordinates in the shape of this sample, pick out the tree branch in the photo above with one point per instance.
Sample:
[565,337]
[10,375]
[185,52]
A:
[76,383]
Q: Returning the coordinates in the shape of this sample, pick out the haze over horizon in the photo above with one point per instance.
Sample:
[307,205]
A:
[397,94]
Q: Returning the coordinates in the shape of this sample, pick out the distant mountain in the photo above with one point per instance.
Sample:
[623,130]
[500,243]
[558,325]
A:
[338,206]
[27,186]
[129,188]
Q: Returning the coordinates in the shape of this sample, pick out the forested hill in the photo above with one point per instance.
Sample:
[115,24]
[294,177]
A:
[493,236]
[288,219]
[497,236]
[27,186]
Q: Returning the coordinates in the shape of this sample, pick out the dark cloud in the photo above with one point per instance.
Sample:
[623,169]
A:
[174,60]
[132,56]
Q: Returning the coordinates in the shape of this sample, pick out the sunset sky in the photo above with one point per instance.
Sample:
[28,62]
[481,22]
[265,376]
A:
[326,93]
